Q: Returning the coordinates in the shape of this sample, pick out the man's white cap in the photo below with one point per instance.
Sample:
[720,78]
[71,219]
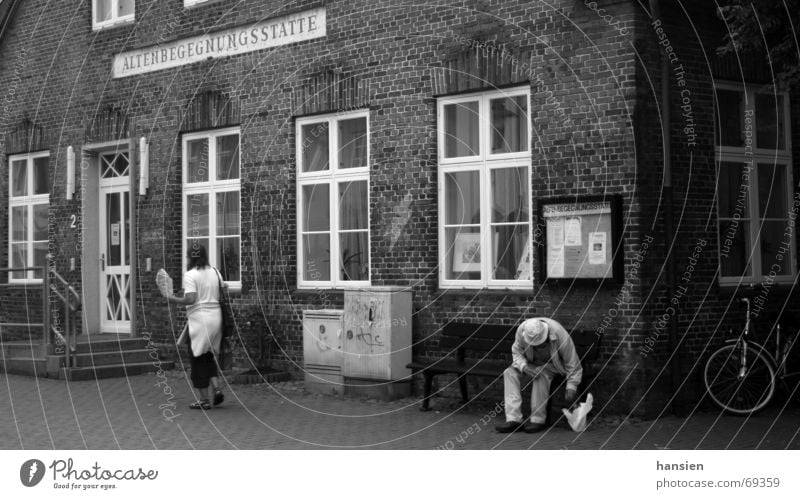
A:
[534,331]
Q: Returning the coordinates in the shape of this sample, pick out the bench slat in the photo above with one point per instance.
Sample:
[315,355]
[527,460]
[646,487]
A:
[476,344]
[488,331]
[474,368]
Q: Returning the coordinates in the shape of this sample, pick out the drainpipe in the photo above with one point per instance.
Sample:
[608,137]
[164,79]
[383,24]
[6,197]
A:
[669,231]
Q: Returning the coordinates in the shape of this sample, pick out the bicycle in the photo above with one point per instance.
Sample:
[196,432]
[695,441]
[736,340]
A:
[741,376]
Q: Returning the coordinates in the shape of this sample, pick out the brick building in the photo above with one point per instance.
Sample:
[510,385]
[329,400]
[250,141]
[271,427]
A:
[316,146]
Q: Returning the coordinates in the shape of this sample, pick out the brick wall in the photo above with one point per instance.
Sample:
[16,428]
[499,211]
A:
[586,95]
[705,310]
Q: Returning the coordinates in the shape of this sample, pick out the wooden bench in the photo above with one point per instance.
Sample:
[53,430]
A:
[490,348]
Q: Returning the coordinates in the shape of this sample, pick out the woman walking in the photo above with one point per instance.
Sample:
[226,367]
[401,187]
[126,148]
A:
[201,285]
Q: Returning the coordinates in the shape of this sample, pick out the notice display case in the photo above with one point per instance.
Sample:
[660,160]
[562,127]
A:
[581,238]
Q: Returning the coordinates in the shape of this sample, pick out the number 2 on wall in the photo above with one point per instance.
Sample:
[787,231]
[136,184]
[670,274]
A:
[74,219]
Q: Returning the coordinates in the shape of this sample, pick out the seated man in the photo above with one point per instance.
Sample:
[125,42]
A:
[541,349]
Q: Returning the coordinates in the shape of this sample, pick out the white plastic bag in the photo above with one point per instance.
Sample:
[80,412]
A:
[577,417]
[164,283]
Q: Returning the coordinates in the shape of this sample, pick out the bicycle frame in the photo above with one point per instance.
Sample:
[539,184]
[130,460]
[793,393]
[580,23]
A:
[780,367]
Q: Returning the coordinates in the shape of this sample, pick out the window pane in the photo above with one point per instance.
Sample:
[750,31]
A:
[461,130]
[354,257]
[316,257]
[197,215]
[109,167]
[113,217]
[228,213]
[41,178]
[19,259]
[732,190]
[772,235]
[40,222]
[462,193]
[197,161]
[353,205]
[39,259]
[728,118]
[511,253]
[509,124]
[772,191]
[102,10]
[228,157]
[193,243]
[353,143]
[463,253]
[19,223]
[19,178]
[315,146]
[126,7]
[316,208]
[734,245]
[228,258]
[126,234]
[510,195]
[769,122]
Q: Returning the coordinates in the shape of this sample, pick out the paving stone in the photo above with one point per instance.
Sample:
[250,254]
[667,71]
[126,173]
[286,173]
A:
[128,413]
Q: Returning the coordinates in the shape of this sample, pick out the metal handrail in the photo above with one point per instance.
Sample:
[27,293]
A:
[73,294]
[70,308]
[69,297]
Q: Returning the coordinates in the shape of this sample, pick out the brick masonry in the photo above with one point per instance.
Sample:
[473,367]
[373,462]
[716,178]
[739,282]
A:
[595,131]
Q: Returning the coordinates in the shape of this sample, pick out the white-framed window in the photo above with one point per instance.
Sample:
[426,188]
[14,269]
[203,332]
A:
[333,248]
[29,201]
[211,199]
[107,13]
[193,3]
[754,185]
[485,235]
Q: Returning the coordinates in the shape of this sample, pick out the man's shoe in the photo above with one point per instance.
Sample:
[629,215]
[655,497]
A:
[508,427]
[531,427]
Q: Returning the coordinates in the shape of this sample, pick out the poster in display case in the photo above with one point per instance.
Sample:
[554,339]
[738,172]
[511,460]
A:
[581,237]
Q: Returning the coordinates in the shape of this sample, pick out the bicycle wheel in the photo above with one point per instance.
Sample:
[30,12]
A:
[735,391]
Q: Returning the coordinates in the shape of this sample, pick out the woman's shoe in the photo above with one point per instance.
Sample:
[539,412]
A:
[218,397]
[200,404]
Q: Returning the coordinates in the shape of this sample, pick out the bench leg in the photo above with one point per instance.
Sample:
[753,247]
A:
[462,381]
[427,393]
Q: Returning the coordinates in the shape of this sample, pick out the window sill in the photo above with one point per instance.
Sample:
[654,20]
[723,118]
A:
[486,291]
[108,25]
[197,4]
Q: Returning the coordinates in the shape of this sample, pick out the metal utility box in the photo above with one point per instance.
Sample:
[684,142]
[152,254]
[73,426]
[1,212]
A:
[377,340]
[322,351]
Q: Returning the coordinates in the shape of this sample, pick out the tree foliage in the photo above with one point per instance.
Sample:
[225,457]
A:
[765,27]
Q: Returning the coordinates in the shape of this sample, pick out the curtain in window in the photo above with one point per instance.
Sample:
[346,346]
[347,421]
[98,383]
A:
[509,125]
[510,208]
[353,244]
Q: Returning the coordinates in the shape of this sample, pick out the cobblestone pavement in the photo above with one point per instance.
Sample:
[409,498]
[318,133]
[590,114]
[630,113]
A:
[137,413]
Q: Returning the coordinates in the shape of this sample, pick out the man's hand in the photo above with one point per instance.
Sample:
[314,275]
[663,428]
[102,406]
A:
[570,396]
[532,371]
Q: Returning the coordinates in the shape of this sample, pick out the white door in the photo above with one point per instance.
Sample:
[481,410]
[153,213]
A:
[115,258]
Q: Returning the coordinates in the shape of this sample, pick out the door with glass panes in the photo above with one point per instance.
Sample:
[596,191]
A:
[114,240]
